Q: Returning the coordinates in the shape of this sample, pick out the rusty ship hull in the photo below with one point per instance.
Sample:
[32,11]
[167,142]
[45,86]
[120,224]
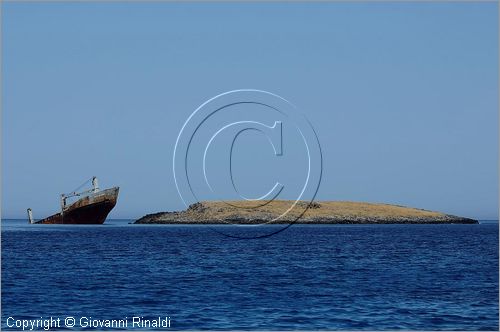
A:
[91,209]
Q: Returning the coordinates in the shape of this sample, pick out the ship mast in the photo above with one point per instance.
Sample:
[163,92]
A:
[95,184]
[30,216]
[95,188]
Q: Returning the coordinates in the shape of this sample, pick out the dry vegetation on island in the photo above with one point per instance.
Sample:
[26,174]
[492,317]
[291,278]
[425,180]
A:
[326,212]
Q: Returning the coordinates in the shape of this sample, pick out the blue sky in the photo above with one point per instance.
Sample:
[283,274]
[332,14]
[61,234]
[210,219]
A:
[403,97]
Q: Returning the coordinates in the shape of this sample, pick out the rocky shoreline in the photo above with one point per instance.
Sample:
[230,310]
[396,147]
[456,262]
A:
[327,212]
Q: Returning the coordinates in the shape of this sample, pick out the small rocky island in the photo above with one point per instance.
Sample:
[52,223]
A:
[327,212]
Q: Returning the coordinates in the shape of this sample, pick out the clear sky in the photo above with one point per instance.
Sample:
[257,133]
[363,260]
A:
[403,97]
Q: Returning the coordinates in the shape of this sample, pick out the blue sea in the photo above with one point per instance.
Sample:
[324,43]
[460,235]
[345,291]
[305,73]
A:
[308,277]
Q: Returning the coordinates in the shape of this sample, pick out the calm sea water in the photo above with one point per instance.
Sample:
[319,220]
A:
[425,277]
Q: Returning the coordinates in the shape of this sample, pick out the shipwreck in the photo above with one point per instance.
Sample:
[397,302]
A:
[91,207]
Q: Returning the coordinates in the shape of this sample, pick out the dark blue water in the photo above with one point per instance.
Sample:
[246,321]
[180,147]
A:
[425,277]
